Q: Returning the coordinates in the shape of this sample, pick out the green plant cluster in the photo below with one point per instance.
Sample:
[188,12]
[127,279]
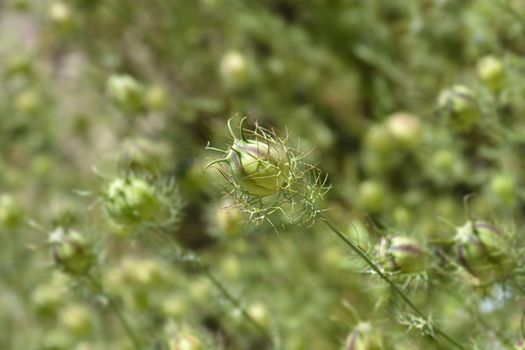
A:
[274,174]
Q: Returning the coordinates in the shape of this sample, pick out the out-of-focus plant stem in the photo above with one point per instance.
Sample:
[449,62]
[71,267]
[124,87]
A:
[117,312]
[237,303]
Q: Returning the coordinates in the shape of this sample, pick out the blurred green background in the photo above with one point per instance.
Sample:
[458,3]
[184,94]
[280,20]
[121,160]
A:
[414,110]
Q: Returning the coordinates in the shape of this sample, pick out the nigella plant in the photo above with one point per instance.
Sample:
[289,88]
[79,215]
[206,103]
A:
[136,201]
[266,176]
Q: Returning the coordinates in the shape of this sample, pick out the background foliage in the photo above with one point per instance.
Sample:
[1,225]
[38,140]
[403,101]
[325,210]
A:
[93,90]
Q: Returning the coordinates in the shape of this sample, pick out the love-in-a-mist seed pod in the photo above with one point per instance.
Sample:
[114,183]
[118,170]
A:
[491,72]
[259,166]
[406,255]
[71,252]
[460,106]
[234,68]
[406,129]
[126,92]
[482,249]
[132,200]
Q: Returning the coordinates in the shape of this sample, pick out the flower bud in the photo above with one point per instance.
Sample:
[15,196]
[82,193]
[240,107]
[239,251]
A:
[259,167]
[131,201]
[459,103]
[363,338]
[481,249]
[491,72]
[405,255]
[71,252]
[126,93]
[405,128]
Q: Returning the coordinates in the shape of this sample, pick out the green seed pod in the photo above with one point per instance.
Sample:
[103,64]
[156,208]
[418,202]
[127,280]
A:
[405,255]
[491,72]
[144,273]
[503,186]
[48,297]
[363,337]
[259,166]
[402,216]
[230,266]
[259,313]
[459,103]
[71,252]
[372,195]
[234,68]
[10,212]
[131,201]
[482,250]
[444,161]
[156,98]
[406,129]
[379,140]
[174,306]
[126,93]
[76,319]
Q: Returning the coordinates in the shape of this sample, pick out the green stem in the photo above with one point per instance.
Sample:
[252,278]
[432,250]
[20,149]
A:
[236,302]
[174,251]
[385,278]
[125,324]
[118,313]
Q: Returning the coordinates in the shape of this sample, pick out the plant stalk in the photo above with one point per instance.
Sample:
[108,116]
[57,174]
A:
[385,278]
[118,313]
[236,302]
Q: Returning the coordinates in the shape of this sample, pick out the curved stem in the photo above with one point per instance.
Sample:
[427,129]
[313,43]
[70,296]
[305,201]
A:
[174,250]
[236,302]
[385,278]
[118,313]
[125,324]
